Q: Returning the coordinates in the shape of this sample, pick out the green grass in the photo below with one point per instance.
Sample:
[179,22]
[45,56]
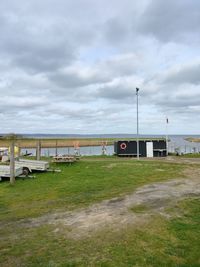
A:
[156,242]
[79,185]
[192,155]
[159,242]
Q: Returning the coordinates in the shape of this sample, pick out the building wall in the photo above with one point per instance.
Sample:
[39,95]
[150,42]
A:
[159,148]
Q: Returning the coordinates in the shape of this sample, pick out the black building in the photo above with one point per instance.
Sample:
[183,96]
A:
[147,148]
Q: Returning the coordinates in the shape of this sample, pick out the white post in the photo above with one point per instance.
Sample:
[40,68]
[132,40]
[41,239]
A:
[12,162]
[38,150]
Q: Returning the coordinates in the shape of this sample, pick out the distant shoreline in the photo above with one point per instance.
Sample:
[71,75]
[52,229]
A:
[65,142]
[192,139]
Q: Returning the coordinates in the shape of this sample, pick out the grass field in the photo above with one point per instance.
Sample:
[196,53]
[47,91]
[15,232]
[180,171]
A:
[157,242]
[192,155]
[79,185]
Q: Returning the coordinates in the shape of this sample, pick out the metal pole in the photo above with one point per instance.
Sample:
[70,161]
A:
[167,144]
[138,152]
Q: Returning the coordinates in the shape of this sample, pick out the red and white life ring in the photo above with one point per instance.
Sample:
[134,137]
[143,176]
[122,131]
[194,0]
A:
[123,146]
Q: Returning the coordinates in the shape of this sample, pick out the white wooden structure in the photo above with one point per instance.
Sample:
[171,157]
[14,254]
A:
[149,147]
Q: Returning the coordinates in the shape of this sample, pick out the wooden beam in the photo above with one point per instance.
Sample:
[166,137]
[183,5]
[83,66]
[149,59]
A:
[38,150]
[12,161]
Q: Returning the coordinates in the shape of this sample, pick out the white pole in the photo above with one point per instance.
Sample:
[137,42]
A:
[138,152]
[12,161]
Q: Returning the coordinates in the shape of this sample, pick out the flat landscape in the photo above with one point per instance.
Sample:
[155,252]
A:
[62,142]
[108,92]
[193,139]
[52,142]
[104,211]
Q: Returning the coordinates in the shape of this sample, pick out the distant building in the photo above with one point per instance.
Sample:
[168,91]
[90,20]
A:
[147,148]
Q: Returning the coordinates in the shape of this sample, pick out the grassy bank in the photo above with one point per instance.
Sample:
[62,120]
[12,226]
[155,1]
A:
[158,242]
[79,185]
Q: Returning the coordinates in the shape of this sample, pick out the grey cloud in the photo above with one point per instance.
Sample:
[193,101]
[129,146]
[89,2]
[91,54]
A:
[71,113]
[179,102]
[39,48]
[122,65]
[186,74]
[115,92]
[123,90]
[70,64]
[75,78]
[116,31]
[43,59]
[99,73]
[19,102]
[162,96]
[177,99]
[171,20]
[83,113]
[40,44]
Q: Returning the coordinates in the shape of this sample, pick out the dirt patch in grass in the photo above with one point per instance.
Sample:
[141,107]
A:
[155,197]
[110,166]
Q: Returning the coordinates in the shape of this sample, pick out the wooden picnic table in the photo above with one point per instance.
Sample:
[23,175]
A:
[64,158]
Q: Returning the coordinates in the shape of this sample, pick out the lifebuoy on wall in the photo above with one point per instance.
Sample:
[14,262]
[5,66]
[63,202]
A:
[123,146]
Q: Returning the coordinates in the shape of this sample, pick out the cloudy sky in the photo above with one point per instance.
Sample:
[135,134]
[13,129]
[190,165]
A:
[72,66]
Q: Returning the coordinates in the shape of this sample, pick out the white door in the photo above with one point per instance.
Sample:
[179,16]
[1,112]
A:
[149,146]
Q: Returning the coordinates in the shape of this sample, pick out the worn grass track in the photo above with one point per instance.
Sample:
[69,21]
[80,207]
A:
[79,185]
[171,240]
